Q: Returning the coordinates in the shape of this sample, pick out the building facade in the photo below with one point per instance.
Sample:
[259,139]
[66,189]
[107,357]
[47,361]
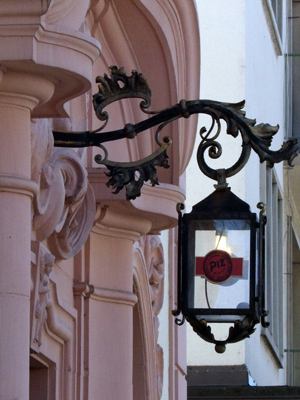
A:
[89,278]
[82,269]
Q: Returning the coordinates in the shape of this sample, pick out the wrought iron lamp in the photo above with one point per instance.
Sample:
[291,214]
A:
[221,266]
[222,213]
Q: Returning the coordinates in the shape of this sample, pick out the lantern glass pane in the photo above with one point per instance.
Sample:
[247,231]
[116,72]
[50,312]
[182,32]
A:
[222,264]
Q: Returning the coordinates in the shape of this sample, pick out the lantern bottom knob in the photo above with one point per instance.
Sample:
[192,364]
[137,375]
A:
[220,348]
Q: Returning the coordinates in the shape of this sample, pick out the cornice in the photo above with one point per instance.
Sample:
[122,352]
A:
[156,204]
[120,220]
[24,89]
[62,55]
[74,40]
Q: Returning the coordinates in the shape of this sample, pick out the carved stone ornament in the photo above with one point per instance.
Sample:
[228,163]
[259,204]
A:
[64,207]
[154,258]
[41,268]
[156,267]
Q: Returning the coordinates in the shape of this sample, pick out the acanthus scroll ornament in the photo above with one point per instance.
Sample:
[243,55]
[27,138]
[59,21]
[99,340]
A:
[64,207]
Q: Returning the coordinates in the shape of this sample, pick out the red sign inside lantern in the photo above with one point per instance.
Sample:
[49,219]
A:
[218,266]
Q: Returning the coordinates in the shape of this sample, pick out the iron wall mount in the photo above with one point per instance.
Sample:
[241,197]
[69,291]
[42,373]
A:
[132,175]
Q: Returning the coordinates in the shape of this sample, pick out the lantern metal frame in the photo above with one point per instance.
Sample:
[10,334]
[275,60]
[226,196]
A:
[132,175]
[221,205]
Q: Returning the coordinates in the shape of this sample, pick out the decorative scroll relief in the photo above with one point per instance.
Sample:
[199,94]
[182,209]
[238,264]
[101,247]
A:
[154,259]
[64,207]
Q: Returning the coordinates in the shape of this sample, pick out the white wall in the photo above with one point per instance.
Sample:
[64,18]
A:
[222,79]
[265,81]
[240,59]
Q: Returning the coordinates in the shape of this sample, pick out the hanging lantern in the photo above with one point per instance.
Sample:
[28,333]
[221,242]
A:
[220,276]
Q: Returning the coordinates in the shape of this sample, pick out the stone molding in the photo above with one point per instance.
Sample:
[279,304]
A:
[156,204]
[82,289]
[106,295]
[69,40]
[14,184]
[118,219]
[28,44]
[17,10]
[24,89]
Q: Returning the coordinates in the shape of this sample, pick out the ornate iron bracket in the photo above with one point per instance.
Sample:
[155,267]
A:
[132,175]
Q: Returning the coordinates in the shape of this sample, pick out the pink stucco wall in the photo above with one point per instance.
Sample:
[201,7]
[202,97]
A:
[82,270]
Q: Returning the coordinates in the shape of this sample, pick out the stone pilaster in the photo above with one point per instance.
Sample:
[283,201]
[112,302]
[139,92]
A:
[19,94]
[111,303]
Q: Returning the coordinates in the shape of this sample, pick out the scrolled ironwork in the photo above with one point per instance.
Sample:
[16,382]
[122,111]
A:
[179,321]
[132,175]
[257,137]
[120,86]
[239,331]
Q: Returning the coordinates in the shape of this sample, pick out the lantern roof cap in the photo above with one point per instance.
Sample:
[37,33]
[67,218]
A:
[222,202]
